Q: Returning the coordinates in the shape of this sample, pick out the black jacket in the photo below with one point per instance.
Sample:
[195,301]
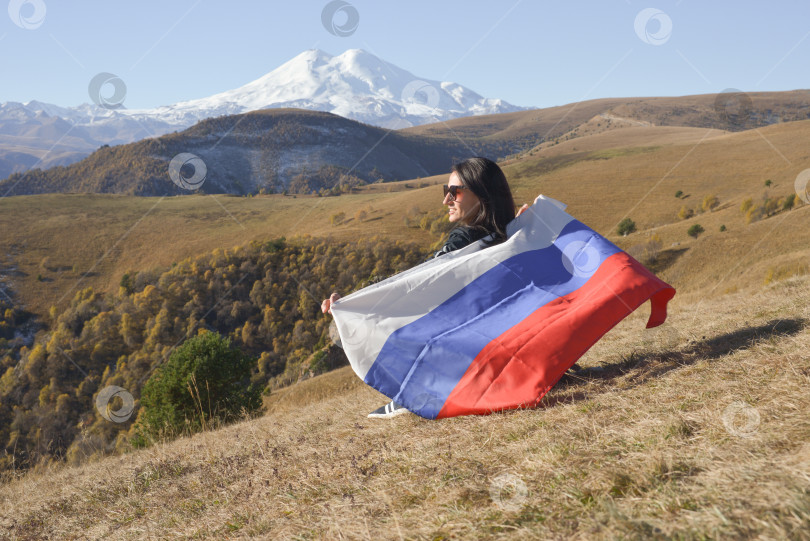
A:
[459,238]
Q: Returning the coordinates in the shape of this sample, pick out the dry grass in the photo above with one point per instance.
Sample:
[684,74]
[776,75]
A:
[92,240]
[695,431]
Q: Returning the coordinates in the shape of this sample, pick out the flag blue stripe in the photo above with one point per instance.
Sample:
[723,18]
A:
[422,362]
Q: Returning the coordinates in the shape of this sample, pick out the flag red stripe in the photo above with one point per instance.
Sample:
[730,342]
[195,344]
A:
[523,364]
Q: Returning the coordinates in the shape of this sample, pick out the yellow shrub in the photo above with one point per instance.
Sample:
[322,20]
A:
[710,202]
[685,213]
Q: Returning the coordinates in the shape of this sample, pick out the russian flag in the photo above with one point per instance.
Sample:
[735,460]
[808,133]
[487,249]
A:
[485,329]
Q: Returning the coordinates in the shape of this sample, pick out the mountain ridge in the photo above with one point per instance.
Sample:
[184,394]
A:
[266,151]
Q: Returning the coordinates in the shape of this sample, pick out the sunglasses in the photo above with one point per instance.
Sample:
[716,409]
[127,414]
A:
[452,190]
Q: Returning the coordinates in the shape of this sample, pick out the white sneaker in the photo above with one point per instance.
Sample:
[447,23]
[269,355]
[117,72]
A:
[392,409]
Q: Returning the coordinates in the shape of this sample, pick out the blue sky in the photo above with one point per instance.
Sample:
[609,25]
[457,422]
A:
[528,52]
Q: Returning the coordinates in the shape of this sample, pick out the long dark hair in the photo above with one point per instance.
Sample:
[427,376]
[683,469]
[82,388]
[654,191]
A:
[486,180]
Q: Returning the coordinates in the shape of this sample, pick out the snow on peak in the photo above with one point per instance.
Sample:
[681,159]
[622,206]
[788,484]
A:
[354,84]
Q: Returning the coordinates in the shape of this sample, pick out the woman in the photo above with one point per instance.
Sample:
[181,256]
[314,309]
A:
[479,200]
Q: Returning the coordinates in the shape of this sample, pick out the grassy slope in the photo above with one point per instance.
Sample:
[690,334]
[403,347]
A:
[644,441]
[110,235]
[641,184]
[631,171]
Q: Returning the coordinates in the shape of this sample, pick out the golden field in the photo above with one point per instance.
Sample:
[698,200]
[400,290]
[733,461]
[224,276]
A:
[77,240]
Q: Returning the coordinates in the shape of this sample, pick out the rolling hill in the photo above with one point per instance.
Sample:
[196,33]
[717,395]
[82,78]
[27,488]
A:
[731,111]
[271,150]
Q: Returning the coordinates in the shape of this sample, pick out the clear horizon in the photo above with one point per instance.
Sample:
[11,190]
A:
[528,54]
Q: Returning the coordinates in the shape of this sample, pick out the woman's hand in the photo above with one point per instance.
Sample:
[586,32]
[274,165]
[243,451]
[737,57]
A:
[326,305]
[522,209]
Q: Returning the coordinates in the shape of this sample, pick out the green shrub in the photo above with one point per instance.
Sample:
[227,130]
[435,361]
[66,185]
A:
[127,283]
[205,379]
[678,194]
[317,363]
[695,230]
[626,227]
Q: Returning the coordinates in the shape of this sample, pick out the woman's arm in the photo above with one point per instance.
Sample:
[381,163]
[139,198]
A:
[326,305]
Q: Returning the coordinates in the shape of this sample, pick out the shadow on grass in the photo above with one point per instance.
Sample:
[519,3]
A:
[639,368]
[665,259]
[13,272]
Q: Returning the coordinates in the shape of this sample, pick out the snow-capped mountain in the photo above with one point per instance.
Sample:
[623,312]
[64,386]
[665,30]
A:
[355,85]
